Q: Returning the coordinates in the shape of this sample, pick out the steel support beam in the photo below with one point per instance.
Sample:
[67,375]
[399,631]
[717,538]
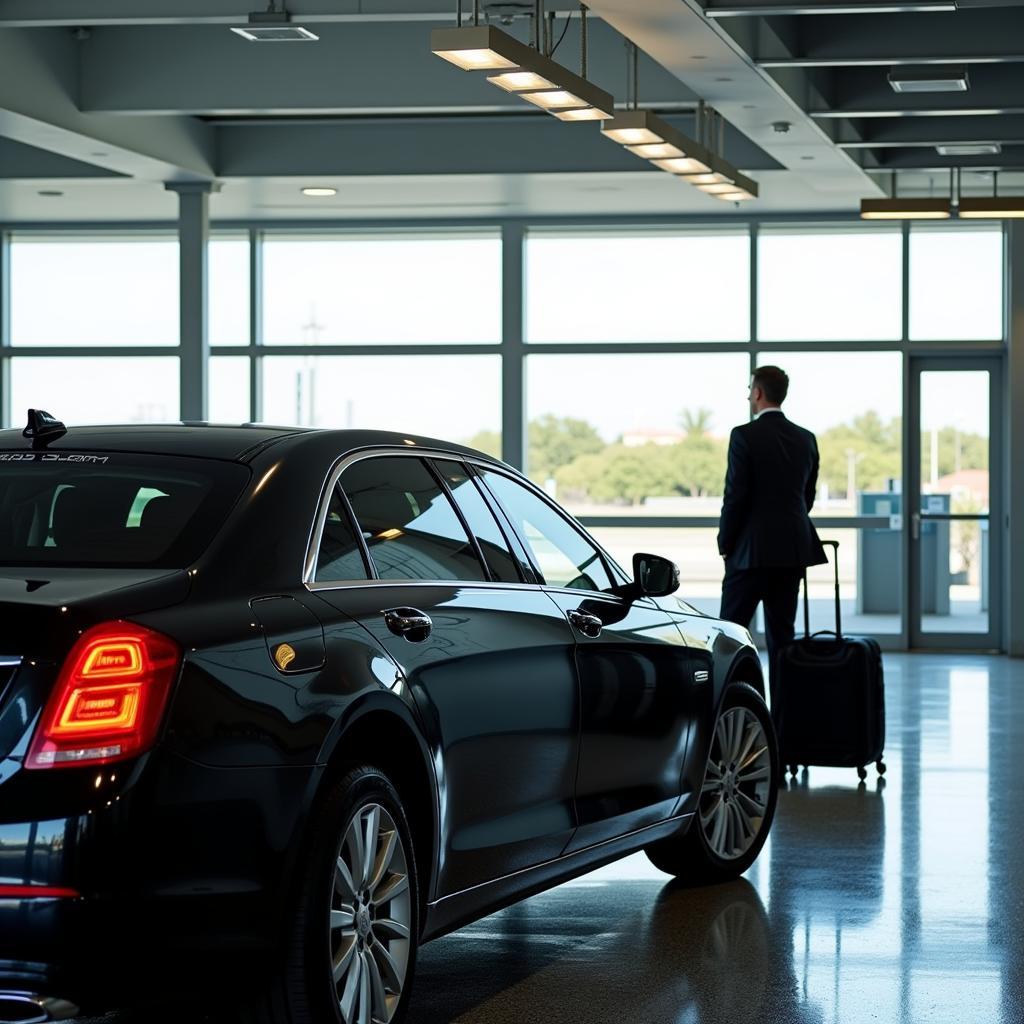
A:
[48,13]
[193,242]
[1013,462]
[39,106]
[513,350]
[210,71]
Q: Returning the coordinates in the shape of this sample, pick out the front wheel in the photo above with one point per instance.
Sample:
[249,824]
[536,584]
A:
[737,800]
[352,950]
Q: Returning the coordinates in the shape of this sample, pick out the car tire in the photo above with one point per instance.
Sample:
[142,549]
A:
[351,952]
[737,799]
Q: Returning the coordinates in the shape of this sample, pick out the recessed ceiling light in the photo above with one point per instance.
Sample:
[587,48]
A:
[50,193]
[970,149]
[929,79]
[319,191]
[274,26]
[723,78]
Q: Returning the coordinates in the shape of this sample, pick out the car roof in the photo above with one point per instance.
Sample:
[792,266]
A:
[235,442]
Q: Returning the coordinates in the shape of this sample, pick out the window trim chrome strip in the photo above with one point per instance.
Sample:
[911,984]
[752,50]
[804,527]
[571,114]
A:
[339,467]
[343,463]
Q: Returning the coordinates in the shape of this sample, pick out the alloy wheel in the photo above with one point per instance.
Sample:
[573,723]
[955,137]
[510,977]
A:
[371,918]
[737,784]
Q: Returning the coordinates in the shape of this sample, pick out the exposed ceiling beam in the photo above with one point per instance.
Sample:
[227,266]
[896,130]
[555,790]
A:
[527,144]
[882,62]
[70,13]
[771,8]
[39,107]
[18,161]
[209,71]
[902,132]
[897,112]
[906,159]
[982,36]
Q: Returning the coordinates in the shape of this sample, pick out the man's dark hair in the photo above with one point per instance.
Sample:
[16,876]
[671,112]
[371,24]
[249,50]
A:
[773,382]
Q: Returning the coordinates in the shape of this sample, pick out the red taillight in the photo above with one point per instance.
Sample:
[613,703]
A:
[37,892]
[109,699]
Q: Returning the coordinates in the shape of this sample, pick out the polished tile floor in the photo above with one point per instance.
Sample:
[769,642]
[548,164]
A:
[899,902]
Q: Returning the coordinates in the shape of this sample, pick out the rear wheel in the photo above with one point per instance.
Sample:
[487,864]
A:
[737,800]
[352,949]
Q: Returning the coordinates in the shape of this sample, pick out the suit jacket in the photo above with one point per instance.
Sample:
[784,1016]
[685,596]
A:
[769,493]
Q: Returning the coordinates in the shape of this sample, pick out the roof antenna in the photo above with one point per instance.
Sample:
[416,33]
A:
[42,428]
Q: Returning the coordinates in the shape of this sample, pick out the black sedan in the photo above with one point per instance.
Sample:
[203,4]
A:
[279,705]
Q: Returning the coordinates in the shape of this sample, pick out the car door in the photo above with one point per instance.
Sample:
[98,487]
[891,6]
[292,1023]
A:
[488,659]
[636,676]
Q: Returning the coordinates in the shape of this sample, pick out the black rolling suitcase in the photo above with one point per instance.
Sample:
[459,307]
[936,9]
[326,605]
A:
[832,696]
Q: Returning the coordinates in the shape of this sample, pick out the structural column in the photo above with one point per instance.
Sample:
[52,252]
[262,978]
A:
[513,368]
[193,254]
[7,418]
[1013,460]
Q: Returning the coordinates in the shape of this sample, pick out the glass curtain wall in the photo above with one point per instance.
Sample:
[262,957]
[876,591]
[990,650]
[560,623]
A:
[621,356]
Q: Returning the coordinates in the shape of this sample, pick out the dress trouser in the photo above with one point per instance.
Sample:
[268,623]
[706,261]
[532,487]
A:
[778,589]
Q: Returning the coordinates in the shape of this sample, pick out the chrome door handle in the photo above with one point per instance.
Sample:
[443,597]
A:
[409,623]
[589,625]
[915,526]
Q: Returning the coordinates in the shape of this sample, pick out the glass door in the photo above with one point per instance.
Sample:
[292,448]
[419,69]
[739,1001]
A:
[953,499]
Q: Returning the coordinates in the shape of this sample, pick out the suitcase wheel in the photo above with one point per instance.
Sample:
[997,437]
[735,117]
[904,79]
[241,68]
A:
[862,773]
[880,765]
[793,768]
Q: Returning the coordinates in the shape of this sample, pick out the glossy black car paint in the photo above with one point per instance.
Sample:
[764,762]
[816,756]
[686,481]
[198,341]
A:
[524,751]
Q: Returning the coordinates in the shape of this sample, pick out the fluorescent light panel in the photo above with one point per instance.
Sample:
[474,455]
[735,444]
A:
[582,114]
[523,71]
[905,209]
[520,81]
[969,149]
[929,80]
[685,166]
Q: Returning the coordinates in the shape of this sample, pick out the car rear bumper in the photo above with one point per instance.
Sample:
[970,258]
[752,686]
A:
[163,863]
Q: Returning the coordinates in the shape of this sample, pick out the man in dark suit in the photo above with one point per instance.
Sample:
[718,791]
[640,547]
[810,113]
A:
[765,532]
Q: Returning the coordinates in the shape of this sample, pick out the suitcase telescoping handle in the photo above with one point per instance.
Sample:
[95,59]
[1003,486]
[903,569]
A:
[834,544]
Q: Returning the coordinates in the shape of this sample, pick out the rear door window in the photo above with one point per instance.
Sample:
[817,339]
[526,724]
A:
[493,543]
[341,555]
[76,509]
[410,526]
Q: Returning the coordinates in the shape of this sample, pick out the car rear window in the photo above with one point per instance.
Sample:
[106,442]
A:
[112,509]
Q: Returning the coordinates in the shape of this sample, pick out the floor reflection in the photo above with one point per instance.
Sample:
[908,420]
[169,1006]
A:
[898,902]
[895,901]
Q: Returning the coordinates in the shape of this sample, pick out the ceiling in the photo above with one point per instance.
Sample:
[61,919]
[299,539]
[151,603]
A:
[104,101]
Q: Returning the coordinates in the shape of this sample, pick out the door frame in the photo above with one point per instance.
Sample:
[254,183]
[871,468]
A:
[917,638]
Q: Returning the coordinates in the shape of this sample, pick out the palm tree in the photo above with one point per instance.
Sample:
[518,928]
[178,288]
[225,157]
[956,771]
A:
[696,424]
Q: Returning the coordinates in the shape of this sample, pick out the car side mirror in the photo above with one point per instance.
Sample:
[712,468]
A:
[654,576]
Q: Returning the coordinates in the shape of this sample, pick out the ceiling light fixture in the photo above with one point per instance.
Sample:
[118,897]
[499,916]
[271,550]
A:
[929,80]
[318,191]
[647,135]
[274,26]
[906,209]
[992,207]
[969,149]
[523,70]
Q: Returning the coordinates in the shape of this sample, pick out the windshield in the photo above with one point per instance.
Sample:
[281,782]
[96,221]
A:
[111,509]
